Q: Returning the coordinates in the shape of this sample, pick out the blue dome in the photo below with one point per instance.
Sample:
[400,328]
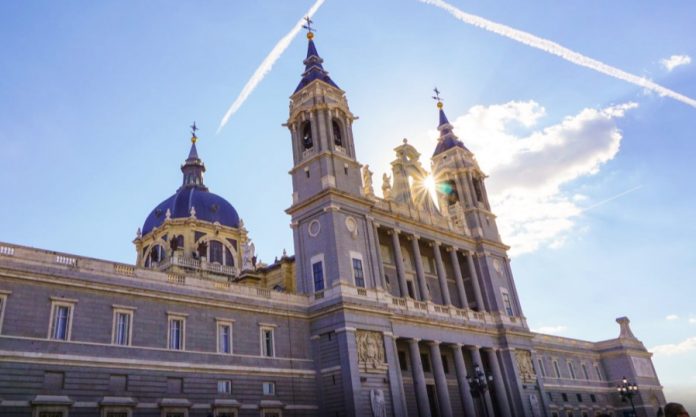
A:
[209,207]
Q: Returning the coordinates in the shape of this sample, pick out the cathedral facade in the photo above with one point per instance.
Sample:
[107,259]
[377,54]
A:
[399,305]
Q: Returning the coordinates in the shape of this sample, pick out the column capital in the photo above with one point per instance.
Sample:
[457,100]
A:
[433,343]
[413,340]
[456,345]
[437,243]
[473,347]
[449,248]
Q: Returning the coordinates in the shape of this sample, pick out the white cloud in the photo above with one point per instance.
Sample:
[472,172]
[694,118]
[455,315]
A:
[692,320]
[684,346]
[550,329]
[672,317]
[675,61]
[526,172]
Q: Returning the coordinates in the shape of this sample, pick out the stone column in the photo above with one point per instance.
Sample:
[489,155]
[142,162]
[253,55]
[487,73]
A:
[399,262]
[396,384]
[476,359]
[499,384]
[441,275]
[422,284]
[464,391]
[458,277]
[419,379]
[475,281]
[440,379]
[380,262]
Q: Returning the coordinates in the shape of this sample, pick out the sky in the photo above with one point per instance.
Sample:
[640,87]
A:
[590,172]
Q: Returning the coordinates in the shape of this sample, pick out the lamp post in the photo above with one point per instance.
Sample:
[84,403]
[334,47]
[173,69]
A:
[627,390]
[478,384]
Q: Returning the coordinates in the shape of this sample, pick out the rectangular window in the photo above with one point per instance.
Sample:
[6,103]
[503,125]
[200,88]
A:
[402,361]
[224,387]
[565,397]
[177,331]
[121,333]
[593,398]
[425,360]
[409,288]
[579,397]
[541,367]
[3,301]
[224,336]
[506,303]
[268,388]
[599,374]
[571,369]
[445,364]
[267,344]
[555,368]
[51,414]
[358,273]
[318,275]
[584,371]
[61,320]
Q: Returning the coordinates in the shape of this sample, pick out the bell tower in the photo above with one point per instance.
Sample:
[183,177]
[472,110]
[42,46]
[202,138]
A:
[320,123]
[329,207]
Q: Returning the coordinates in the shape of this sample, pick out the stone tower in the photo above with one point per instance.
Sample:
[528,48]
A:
[329,208]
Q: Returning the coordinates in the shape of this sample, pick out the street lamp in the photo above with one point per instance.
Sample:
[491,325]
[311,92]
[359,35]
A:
[627,390]
[478,384]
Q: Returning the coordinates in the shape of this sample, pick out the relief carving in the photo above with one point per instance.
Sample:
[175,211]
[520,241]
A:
[370,351]
[524,364]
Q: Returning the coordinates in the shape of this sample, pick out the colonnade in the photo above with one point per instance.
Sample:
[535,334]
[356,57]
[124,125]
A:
[439,268]
[472,406]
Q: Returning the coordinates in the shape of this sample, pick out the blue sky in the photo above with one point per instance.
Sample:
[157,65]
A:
[97,98]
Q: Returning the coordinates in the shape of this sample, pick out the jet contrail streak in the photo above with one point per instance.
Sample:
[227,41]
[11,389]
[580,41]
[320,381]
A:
[266,65]
[558,50]
[605,201]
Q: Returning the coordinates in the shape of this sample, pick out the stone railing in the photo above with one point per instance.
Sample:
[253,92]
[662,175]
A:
[197,264]
[96,268]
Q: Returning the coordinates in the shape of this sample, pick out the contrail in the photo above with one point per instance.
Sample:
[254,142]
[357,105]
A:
[558,50]
[266,65]
[605,201]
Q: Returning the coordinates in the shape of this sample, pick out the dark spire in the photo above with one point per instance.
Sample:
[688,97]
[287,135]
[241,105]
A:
[193,168]
[447,139]
[313,68]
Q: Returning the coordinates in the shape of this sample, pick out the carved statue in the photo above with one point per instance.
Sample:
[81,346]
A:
[377,403]
[386,187]
[367,181]
[192,212]
[248,256]
[168,214]
[524,363]
[370,349]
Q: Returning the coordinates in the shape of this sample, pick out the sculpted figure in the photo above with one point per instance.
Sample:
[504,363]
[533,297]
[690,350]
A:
[386,186]
[367,181]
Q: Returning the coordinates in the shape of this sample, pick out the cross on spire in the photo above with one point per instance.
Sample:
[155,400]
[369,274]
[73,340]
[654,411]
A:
[437,98]
[308,26]
[194,128]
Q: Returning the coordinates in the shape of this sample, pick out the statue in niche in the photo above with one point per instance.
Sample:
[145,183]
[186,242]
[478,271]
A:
[386,187]
[248,256]
[377,402]
[524,363]
[370,349]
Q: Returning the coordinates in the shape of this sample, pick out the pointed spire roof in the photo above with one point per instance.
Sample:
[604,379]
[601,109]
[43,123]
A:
[447,139]
[193,168]
[313,68]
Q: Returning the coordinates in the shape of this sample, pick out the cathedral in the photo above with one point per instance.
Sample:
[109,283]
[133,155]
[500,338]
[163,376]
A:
[396,305]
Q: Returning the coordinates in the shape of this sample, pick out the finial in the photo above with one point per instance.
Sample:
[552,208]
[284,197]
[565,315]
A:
[310,29]
[194,138]
[437,98]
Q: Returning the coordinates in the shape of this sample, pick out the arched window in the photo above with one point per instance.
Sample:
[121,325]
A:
[307,142]
[157,253]
[229,259]
[215,252]
[338,139]
[449,187]
[478,190]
